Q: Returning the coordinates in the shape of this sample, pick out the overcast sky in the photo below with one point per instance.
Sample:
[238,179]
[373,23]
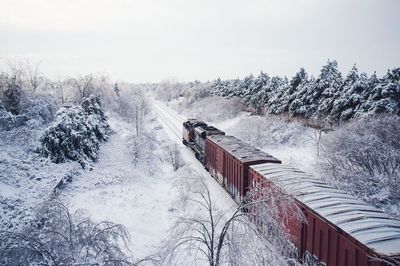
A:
[151,40]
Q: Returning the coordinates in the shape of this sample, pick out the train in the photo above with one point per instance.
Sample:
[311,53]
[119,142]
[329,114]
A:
[338,229]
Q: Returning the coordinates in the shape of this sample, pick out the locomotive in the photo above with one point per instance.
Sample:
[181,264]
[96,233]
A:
[339,229]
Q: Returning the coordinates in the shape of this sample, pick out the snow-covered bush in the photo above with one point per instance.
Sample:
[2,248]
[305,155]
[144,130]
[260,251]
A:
[215,108]
[142,150]
[168,90]
[174,157]
[194,91]
[77,132]
[270,131]
[8,120]
[12,95]
[40,107]
[2,108]
[58,237]
[363,157]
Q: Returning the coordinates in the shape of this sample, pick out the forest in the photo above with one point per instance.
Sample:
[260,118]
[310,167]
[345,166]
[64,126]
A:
[331,96]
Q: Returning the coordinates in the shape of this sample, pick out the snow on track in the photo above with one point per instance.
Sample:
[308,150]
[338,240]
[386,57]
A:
[169,119]
[172,123]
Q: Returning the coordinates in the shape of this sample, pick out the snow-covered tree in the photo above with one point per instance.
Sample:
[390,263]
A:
[83,86]
[252,233]
[134,106]
[116,89]
[300,87]
[277,104]
[12,95]
[327,85]
[252,98]
[384,97]
[77,132]
[56,236]
[349,98]
[328,97]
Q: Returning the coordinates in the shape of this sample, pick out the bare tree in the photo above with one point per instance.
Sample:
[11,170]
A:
[316,136]
[25,74]
[58,237]
[141,108]
[32,75]
[252,233]
[134,106]
[83,85]
[104,85]
[59,87]
[17,72]
[174,156]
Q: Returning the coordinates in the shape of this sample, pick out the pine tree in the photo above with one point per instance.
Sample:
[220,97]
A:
[386,94]
[349,97]
[301,104]
[276,103]
[328,83]
[253,98]
[328,97]
[116,89]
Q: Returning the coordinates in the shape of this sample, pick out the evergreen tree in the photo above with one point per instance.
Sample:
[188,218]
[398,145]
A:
[385,96]
[349,97]
[302,103]
[276,103]
[256,90]
[328,83]
[116,89]
[328,97]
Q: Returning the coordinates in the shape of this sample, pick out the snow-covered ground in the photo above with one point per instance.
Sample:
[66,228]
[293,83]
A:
[26,178]
[146,204]
[117,190]
[172,123]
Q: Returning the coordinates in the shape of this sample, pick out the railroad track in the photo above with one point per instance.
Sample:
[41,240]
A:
[179,117]
[166,116]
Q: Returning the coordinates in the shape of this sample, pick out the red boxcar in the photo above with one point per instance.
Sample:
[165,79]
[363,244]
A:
[228,160]
[339,229]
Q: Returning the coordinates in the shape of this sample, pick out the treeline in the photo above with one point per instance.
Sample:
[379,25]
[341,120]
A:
[330,96]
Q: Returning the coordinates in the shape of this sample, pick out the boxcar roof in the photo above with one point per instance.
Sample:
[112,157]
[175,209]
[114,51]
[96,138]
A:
[370,226]
[240,149]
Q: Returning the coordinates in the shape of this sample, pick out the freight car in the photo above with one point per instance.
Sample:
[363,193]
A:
[339,229]
[228,160]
